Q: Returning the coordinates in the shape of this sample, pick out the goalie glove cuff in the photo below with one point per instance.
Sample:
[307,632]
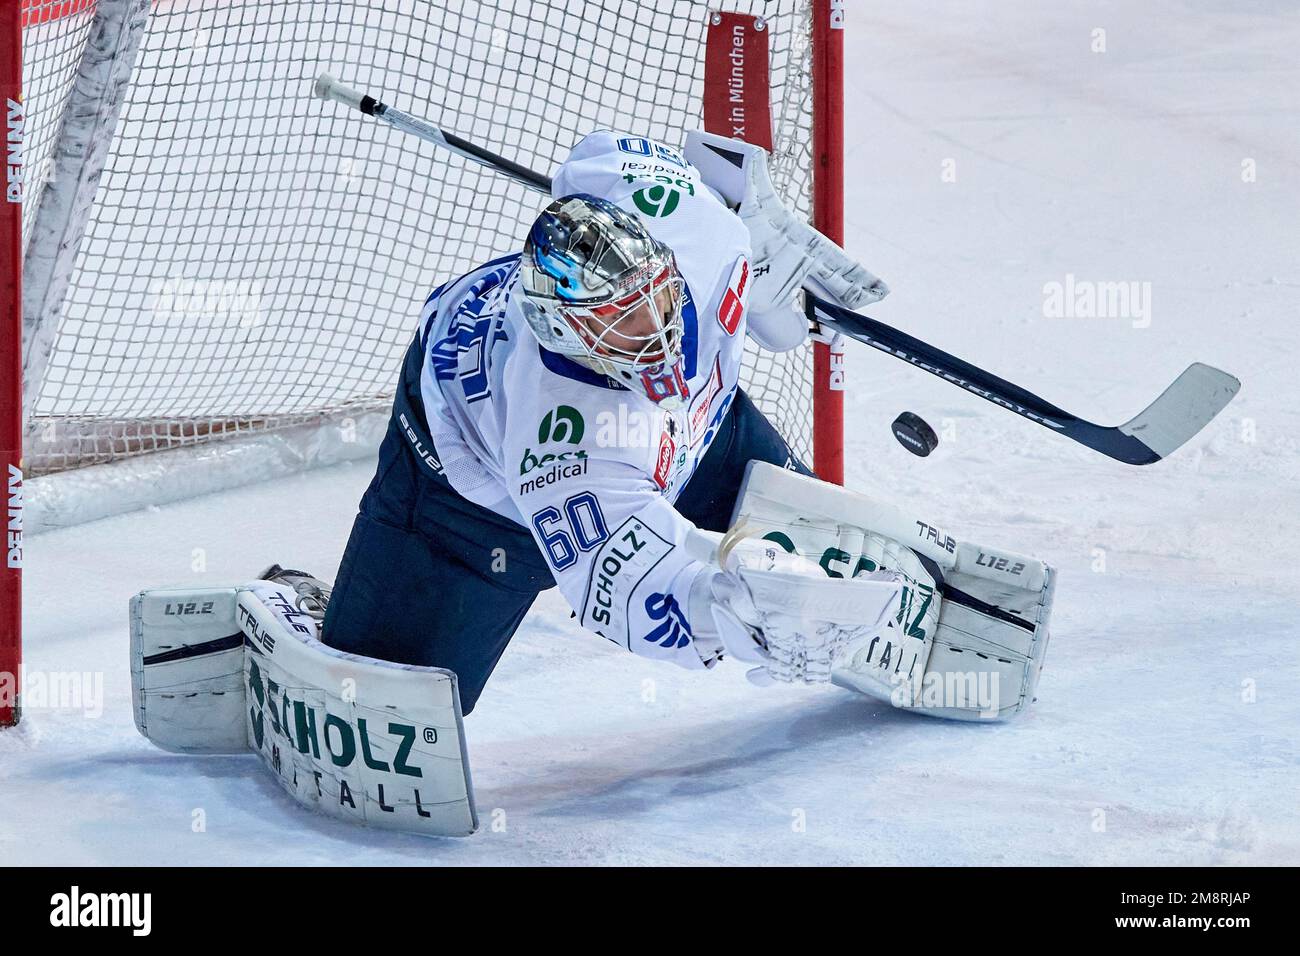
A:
[724,618]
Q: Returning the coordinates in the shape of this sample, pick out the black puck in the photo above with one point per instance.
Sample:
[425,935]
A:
[914,434]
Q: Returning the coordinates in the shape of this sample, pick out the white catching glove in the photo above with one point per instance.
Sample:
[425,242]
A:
[787,253]
[973,628]
[780,611]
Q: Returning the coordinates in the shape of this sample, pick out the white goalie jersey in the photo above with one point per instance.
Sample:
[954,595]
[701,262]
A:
[589,467]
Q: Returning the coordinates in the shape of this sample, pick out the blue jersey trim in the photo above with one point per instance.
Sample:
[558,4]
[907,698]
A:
[568,368]
[690,332]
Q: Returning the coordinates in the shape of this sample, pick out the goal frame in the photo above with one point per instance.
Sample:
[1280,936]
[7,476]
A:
[29,337]
[11,363]
[828,218]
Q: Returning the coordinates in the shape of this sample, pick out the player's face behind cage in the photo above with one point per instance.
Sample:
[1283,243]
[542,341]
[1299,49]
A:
[642,329]
[602,290]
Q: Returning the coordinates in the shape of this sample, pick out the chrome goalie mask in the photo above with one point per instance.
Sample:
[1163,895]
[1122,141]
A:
[603,291]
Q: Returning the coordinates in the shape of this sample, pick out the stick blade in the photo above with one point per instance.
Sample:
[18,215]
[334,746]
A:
[1183,409]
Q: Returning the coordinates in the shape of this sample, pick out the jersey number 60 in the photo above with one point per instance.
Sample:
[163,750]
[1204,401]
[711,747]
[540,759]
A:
[584,530]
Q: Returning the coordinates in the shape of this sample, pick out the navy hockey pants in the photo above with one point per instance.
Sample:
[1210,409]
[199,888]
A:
[422,580]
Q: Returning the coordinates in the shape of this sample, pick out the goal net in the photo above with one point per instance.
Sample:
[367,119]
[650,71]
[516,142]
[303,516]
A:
[211,252]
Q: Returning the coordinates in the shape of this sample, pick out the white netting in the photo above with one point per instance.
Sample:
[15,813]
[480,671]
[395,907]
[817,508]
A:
[54,32]
[256,257]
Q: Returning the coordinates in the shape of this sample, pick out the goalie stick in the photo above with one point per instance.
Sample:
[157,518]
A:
[1182,410]
[329,88]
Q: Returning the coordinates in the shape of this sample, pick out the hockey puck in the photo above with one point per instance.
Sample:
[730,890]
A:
[914,434]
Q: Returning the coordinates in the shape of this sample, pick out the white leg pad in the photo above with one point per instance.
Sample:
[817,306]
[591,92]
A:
[187,670]
[226,670]
[352,737]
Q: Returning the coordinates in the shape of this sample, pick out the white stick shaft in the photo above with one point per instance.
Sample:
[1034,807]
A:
[328,87]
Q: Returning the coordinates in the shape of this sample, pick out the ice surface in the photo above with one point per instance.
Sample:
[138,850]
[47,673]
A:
[1165,731]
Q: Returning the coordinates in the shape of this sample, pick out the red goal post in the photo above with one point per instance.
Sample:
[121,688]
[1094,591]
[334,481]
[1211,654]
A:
[828,218]
[11,365]
[737,102]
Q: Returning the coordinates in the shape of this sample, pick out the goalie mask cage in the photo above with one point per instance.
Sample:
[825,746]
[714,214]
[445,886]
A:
[209,253]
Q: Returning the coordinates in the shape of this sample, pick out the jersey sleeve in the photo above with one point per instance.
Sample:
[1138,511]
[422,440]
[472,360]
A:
[617,548]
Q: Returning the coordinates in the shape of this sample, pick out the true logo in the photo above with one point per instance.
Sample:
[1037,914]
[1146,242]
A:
[931,533]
